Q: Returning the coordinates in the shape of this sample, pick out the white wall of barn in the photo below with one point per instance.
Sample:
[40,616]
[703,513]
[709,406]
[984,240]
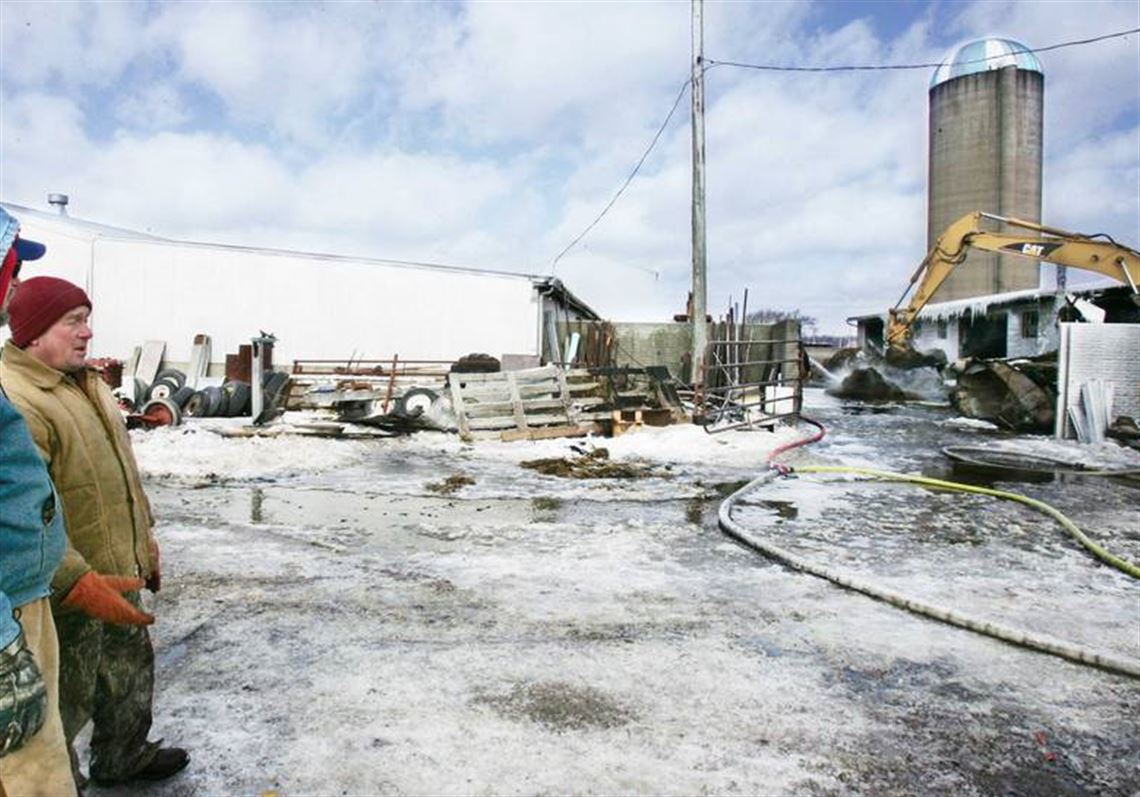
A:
[318,307]
[68,255]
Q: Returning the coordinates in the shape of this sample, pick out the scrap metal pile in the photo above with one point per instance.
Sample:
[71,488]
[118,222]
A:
[476,398]
[151,392]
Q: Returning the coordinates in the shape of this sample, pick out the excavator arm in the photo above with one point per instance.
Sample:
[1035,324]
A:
[1047,243]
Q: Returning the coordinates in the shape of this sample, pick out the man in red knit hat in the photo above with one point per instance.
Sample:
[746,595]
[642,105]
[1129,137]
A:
[106,658]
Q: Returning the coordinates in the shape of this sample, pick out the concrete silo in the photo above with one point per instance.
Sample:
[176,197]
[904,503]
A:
[985,154]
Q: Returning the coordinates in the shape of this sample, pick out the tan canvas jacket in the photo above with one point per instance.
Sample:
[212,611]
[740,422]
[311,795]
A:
[81,434]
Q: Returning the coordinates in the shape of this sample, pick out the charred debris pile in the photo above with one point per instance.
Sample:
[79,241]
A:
[1016,394]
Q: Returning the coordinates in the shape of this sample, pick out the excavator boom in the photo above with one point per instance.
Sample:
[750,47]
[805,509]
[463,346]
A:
[1049,244]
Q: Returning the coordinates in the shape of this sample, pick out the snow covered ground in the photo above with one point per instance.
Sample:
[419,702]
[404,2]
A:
[333,621]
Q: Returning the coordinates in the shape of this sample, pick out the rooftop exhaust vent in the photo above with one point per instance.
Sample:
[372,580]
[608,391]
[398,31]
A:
[59,201]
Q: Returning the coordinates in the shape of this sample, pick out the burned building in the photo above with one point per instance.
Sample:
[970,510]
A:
[1011,324]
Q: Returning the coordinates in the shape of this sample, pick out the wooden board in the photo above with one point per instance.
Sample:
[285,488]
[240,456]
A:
[199,360]
[543,433]
[458,409]
[133,362]
[150,360]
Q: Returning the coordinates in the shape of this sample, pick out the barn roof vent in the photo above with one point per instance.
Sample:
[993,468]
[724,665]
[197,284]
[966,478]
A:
[59,201]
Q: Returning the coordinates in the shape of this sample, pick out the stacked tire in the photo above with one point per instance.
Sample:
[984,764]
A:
[165,397]
[231,399]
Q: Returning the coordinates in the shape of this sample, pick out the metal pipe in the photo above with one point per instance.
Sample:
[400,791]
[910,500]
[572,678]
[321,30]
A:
[59,201]
[762,362]
[757,342]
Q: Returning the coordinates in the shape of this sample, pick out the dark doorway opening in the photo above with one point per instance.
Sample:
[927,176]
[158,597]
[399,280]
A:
[873,335]
[983,336]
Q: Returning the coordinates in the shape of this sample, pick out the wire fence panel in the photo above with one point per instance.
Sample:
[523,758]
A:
[749,383]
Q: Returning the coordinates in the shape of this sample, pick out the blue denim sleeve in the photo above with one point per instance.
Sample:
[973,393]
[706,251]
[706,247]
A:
[9,628]
[31,532]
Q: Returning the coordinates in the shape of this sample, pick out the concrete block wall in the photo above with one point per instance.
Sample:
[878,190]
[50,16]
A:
[670,343]
[643,344]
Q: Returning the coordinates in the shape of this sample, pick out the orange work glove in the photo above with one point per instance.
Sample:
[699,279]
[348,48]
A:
[98,596]
[154,580]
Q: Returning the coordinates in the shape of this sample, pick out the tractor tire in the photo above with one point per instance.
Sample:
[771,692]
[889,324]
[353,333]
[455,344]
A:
[173,374]
[415,402]
[237,398]
[182,395]
[163,411]
[197,405]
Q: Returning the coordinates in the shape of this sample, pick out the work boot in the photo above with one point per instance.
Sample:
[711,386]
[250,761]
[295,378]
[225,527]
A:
[166,762]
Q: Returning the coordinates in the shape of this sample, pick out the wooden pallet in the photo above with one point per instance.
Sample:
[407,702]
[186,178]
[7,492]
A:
[629,420]
[529,404]
[547,402]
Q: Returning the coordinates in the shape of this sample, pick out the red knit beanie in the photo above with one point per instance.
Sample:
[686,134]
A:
[40,302]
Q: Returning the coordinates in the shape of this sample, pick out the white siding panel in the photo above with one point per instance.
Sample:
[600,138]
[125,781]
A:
[318,308]
[68,257]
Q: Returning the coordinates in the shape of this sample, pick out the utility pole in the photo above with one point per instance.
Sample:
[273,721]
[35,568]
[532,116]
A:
[700,330]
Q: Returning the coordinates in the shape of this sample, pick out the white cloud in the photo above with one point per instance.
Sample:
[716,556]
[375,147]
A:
[181,182]
[35,128]
[403,197]
[1097,183]
[157,107]
[514,70]
[290,70]
[70,44]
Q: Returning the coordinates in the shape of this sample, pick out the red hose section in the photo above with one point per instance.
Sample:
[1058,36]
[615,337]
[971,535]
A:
[815,438]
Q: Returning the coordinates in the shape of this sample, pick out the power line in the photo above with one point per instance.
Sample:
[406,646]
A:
[628,180]
[887,67]
[709,63]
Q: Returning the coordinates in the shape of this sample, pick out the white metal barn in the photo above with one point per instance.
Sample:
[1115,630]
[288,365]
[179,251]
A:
[320,307]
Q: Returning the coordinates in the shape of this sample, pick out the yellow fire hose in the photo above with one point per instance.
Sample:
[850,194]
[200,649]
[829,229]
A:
[1039,643]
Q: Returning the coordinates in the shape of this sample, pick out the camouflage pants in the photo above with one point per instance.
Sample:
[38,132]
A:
[40,768]
[106,674]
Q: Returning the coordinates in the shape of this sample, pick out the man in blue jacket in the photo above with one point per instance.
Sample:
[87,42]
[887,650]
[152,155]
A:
[34,759]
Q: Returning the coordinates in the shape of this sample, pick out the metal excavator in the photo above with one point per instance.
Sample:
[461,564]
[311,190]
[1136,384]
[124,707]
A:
[1097,253]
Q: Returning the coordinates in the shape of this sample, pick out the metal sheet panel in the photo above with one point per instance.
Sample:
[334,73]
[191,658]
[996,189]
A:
[317,308]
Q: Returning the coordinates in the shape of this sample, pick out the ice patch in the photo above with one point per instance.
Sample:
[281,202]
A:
[967,423]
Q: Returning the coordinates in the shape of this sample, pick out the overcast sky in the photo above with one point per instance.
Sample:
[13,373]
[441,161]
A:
[491,134]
